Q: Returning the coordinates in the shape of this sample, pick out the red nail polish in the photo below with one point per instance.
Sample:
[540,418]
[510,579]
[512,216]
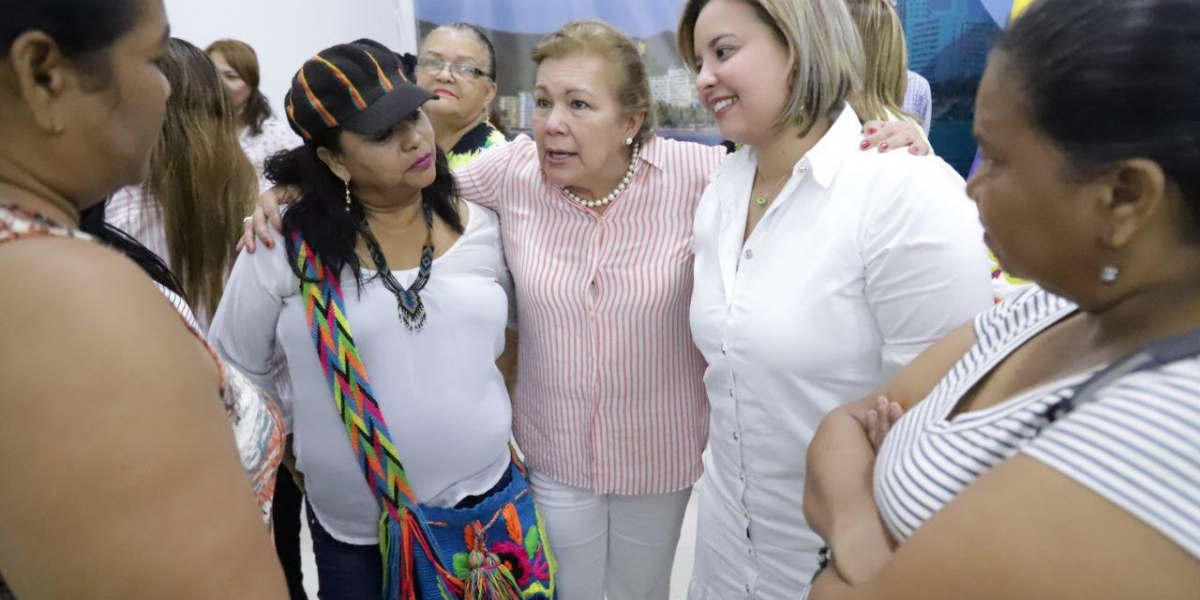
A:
[870,132]
[883,146]
[864,145]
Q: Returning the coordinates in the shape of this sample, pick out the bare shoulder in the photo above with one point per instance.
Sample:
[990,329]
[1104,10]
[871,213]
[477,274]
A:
[114,390]
[88,307]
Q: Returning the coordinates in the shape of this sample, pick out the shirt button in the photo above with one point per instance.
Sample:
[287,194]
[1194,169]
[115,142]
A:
[749,254]
[802,169]
[724,349]
[747,588]
[736,437]
[742,476]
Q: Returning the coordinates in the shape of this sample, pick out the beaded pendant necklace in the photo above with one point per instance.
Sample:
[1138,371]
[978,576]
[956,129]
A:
[408,301]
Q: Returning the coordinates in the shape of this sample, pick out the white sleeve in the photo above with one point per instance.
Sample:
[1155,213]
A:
[927,269]
[243,330]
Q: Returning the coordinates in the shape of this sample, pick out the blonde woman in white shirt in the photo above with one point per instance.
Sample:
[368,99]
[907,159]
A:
[820,270]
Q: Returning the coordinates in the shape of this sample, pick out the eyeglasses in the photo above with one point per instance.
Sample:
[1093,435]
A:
[433,65]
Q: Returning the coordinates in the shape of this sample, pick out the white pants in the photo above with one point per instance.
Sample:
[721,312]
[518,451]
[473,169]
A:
[622,547]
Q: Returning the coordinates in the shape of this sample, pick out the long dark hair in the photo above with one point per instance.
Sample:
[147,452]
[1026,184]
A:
[1112,80]
[321,215]
[244,60]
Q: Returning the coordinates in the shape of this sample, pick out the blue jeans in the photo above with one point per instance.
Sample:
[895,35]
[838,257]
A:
[345,571]
[355,572]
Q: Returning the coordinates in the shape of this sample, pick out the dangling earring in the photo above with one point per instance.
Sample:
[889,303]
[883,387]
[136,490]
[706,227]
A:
[628,141]
[347,195]
[1109,274]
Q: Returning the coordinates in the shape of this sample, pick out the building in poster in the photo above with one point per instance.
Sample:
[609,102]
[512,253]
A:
[948,43]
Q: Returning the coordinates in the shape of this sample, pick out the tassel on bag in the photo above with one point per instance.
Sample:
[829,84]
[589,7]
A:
[403,530]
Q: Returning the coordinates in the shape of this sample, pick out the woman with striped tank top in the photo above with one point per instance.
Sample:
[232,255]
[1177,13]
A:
[1033,462]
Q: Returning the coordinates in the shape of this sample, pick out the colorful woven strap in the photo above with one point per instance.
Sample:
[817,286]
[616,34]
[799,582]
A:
[403,529]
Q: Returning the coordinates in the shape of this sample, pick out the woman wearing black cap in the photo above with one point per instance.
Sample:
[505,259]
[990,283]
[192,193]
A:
[382,270]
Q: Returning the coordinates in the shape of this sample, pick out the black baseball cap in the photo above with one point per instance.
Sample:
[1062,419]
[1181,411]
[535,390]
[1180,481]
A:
[359,87]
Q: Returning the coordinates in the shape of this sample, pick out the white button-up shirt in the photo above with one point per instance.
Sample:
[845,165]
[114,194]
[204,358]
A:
[862,261]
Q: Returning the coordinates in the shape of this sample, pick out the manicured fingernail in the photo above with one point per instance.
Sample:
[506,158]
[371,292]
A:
[913,150]
[870,132]
[883,146]
[865,145]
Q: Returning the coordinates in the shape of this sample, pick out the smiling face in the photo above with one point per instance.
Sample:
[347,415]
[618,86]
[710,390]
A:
[579,124]
[464,98]
[742,67]
[239,90]
[397,161]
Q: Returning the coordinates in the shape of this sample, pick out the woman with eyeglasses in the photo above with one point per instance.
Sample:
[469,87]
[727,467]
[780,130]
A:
[458,63]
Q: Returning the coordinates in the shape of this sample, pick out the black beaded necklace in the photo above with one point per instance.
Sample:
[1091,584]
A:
[411,307]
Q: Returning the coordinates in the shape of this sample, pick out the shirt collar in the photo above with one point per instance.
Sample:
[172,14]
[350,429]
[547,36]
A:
[652,152]
[831,150]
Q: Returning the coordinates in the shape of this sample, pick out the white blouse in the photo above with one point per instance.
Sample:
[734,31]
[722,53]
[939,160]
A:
[441,393]
[862,261]
[276,136]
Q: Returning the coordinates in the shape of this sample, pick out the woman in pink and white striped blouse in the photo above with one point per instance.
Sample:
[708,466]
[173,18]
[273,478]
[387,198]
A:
[596,216]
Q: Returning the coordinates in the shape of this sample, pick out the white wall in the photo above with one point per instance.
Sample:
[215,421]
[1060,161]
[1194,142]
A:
[285,33]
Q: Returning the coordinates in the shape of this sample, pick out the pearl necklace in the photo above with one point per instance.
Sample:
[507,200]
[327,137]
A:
[613,194]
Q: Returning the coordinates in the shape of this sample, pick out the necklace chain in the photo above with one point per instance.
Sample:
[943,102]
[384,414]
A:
[613,194]
[762,199]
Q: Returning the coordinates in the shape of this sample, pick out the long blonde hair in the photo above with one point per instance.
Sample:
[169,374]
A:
[885,78]
[200,176]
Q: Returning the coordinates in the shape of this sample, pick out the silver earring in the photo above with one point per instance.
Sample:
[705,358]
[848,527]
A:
[347,194]
[628,141]
[1109,274]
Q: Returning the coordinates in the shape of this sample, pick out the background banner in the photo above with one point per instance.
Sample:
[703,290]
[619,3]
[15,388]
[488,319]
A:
[948,42]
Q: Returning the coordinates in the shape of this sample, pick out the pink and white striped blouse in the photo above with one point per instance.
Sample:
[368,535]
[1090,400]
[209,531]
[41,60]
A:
[609,392]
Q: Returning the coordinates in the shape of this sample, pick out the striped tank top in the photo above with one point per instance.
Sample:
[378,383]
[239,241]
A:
[1137,443]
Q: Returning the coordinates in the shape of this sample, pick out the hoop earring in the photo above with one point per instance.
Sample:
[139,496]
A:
[1109,274]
